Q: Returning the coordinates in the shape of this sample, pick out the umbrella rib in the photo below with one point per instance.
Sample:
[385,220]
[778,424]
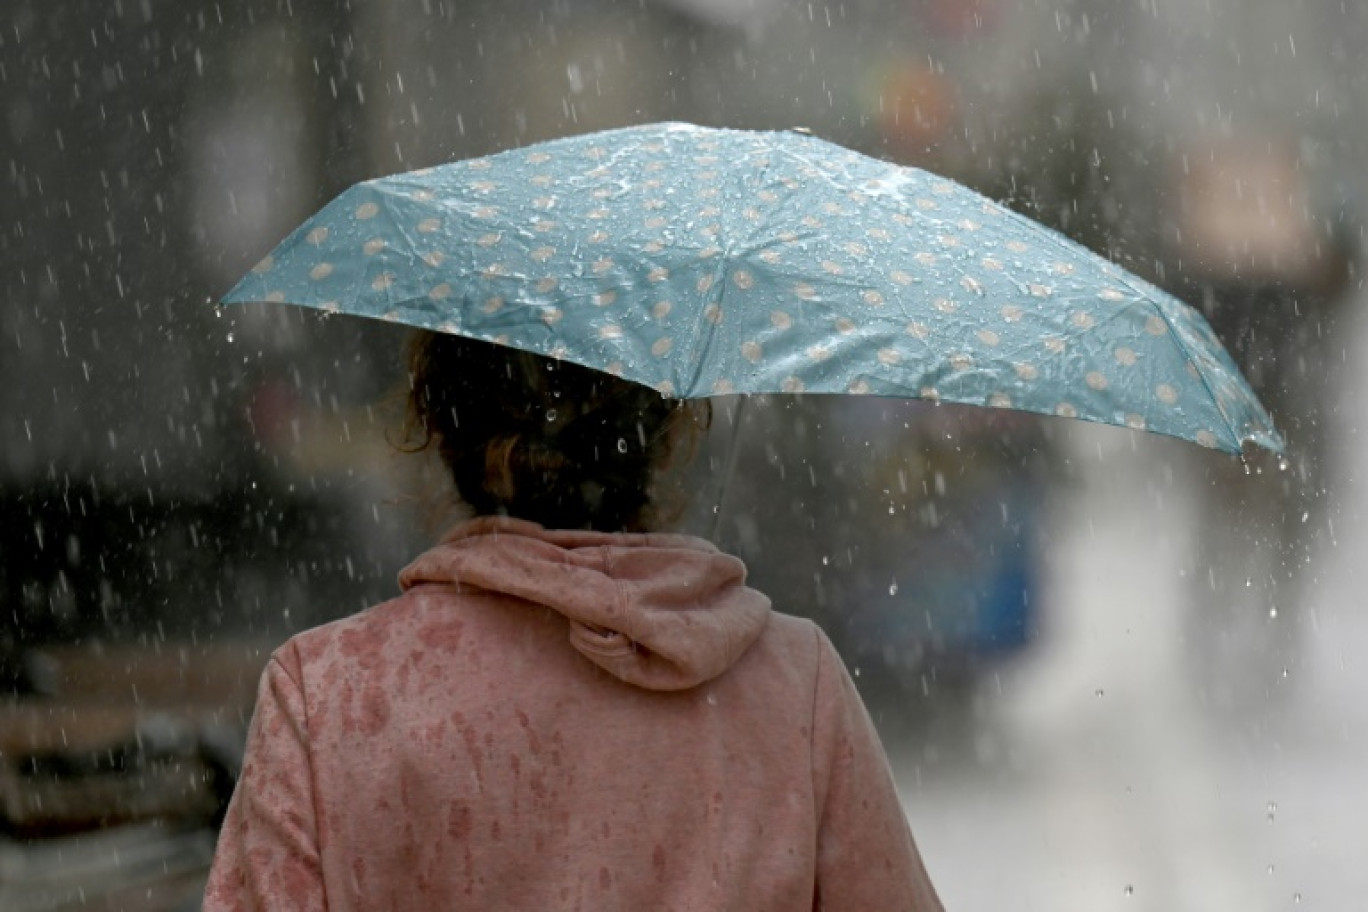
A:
[705,331]
[1175,331]
[1122,278]
[409,242]
[1187,354]
[1178,335]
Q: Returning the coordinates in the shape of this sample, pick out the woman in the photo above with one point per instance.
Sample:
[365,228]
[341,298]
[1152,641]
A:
[564,709]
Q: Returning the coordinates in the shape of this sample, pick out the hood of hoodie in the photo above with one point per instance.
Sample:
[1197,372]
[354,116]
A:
[662,612]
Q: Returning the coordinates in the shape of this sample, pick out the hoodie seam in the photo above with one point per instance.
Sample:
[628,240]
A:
[316,797]
[618,590]
[812,723]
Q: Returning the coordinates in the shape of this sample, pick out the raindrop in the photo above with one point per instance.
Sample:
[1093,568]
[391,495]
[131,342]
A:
[1272,613]
[1129,891]
[1272,810]
[622,445]
[230,338]
[550,414]
[893,588]
[1249,582]
[1270,869]
[1283,464]
[1099,692]
[1296,897]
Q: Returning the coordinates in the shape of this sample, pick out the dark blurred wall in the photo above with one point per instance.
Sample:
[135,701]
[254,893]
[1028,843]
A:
[152,149]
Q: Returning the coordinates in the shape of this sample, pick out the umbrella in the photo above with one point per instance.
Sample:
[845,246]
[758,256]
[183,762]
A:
[707,261]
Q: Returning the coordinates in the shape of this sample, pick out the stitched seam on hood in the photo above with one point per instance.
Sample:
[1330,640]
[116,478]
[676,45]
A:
[812,721]
[619,591]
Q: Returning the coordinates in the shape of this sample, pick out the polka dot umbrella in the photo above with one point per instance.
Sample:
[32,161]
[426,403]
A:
[704,261]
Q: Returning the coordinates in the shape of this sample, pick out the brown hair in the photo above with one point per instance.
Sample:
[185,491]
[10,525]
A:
[549,441]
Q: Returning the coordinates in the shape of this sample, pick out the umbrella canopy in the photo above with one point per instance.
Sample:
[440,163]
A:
[703,261]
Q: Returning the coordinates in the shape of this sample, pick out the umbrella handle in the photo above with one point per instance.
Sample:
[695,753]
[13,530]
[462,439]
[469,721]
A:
[733,452]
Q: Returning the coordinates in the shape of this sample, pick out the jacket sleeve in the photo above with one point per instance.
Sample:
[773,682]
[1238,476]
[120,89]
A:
[267,856]
[866,858]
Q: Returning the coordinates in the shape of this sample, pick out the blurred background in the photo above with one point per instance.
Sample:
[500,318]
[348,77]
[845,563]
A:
[1112,671]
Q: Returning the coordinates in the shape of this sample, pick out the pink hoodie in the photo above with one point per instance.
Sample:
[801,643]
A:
[565,720]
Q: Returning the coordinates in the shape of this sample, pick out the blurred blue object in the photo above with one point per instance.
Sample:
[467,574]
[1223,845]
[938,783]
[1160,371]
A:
[703,261]
[961,589]
[942,583]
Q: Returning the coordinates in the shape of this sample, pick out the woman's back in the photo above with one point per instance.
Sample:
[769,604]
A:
[566,720]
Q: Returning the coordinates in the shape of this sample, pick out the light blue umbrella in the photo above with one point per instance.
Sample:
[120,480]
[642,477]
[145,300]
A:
[703,261]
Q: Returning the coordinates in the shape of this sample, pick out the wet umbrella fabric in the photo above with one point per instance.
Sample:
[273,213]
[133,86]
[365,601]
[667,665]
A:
[703,262]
